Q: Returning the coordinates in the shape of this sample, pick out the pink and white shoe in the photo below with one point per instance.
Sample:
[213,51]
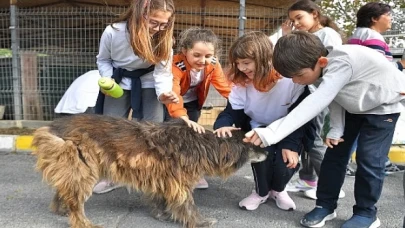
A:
[105,186]
[253,201]
[202,184]
[283,200]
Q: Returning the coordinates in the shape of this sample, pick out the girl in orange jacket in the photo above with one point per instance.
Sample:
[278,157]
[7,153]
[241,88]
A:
[195,68]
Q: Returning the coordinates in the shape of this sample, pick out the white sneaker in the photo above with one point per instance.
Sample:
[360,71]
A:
[202,184]
[283,200]
[298,186]
[312,194]
[105,186]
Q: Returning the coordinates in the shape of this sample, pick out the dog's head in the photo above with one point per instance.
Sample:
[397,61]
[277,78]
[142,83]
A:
[257,154]
[235,152]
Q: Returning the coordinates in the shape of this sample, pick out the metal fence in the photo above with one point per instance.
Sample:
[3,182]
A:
[53,46]
[56,45]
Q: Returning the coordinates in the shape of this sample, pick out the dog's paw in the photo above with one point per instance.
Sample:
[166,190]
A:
[206,222]
[86,225]
[162,216]
[59,209]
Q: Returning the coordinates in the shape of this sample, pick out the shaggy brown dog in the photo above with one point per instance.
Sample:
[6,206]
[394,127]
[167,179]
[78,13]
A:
[164,161]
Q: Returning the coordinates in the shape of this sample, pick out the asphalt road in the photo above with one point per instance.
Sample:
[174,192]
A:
[24,201]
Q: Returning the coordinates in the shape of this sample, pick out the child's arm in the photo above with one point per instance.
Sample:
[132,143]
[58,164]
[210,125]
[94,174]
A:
[226,119]
[176,110]
[337,125]
[104,61]
[291,146]
[220,82]
[233,114]
[337,121]
[164,81]
[294,140]
[337,75]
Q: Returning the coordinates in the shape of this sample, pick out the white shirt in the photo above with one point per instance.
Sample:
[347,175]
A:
[116,51]
[265,107]
[81,94]
[196,77]
[328,36]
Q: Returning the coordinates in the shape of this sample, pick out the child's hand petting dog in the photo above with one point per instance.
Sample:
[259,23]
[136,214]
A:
[291,157]
[253,137]
[224,132]
[196,127]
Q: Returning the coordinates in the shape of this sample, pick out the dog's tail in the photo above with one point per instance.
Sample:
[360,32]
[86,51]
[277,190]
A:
[63,164]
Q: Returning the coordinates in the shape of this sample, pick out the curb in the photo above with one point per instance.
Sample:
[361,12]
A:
[16,143]
[22,143]
[396,154]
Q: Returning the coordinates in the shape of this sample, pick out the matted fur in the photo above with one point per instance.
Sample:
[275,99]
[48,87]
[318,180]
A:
[164,161]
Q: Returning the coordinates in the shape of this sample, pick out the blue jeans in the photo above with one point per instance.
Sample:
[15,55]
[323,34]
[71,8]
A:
[375,133]
[354,147]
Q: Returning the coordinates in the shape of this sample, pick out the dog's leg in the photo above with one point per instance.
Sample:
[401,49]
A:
[159,208]
[58,206]
[75,202]
[188,214]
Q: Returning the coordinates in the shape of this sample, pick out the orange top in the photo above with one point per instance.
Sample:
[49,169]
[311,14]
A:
[213,74]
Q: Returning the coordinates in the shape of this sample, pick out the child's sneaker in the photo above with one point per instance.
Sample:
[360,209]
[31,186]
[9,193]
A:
[312,194]
[317,217]
[105,186]
[300,185]
[392,168]
[283,200]
[202,184]
[350,172]
[253,201]
[357,221]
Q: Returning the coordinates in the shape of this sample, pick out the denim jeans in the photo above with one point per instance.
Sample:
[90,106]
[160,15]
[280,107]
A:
[354,147]
[375,133]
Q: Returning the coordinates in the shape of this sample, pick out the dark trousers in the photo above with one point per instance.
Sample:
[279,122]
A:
[192,108]
[272,174]
[375,134]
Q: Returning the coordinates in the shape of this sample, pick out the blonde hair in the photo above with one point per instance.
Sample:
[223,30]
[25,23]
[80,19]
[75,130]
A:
[255,46]
[152,49]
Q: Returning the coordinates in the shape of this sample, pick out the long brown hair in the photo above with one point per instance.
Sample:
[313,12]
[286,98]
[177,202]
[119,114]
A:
[152,49]
[255,46]
[311,7]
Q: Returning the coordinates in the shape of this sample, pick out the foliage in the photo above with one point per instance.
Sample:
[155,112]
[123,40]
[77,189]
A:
[5,53]
[344,13]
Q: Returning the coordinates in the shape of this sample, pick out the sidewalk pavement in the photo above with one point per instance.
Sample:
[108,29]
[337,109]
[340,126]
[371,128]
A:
[24,201]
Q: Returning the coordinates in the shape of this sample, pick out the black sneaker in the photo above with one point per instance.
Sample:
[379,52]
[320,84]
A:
[350,172]
[317,217]
[392,168]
